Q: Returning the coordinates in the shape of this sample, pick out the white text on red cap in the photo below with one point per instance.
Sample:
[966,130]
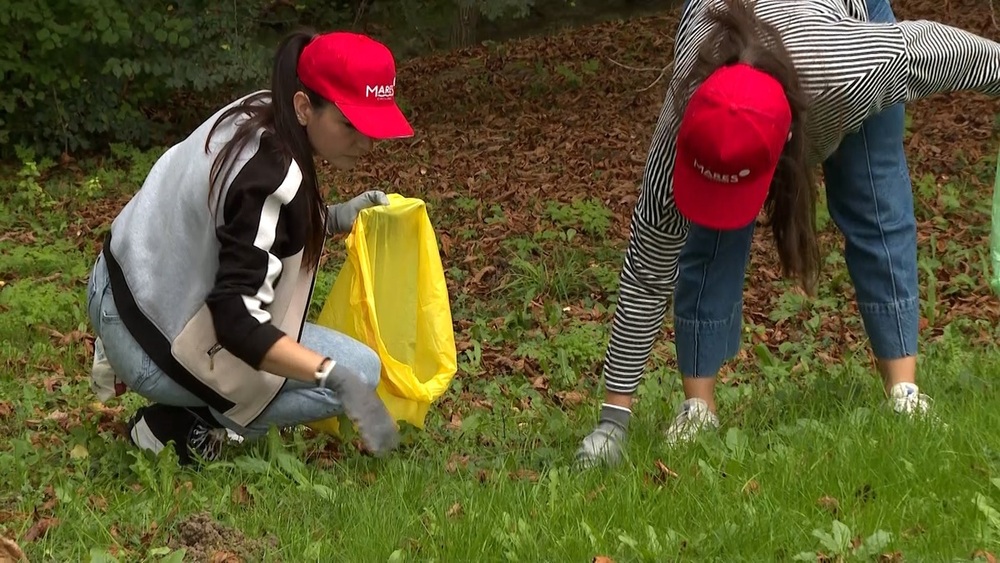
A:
[723,178]
[381,92]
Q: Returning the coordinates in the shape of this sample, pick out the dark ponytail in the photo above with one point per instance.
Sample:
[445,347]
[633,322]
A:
[738,36]
[274,112]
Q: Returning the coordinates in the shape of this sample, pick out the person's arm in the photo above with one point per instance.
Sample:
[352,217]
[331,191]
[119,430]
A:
[647,281]
[292,360]
[942,59]
[649,271]
[257,202]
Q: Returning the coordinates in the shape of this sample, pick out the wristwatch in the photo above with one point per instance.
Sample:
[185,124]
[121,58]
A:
[323,370]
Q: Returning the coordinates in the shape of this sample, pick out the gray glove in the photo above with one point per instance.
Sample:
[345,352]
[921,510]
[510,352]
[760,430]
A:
[607,442]
[362,405]
[341,216]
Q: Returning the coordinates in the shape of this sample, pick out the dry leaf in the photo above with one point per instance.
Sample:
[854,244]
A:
[454,461]
[57,416]
[148,536]
[593,494]
[6,410]
[524,475]
[829,504]
[570,398]
[225,557]
[10,551]
[456,422]
[894,557]
[52,383]
[98,502]
[602,559]
[241,495]
[39,529]
[985,555]
[540,383]
[751,486]
[455,510]
[478,277]
[663,473]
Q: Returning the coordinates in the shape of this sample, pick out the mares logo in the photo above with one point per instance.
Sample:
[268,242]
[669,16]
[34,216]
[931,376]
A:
[384,92]
[723,178]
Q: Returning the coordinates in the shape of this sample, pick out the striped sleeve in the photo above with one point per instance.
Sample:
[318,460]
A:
[947,59]
[253,236]
[649,272]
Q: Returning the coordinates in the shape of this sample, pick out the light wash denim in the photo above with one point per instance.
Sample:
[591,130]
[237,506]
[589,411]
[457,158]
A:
[871,201]
[297,403]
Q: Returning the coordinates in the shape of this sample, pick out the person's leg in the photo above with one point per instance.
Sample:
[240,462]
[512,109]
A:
[300,402]
[175,415]
[708,315]
[129,361]
[871,200]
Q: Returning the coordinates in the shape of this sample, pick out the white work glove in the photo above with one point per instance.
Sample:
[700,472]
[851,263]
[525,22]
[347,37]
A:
[340,216]
[365,409]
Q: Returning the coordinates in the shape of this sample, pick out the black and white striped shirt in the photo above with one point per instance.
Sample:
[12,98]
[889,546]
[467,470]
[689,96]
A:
[849,67]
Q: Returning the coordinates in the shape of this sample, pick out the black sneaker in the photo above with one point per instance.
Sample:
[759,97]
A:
[193,436]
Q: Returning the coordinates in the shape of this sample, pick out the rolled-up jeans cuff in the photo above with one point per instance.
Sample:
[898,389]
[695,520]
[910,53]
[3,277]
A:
[704,345]
[892,327]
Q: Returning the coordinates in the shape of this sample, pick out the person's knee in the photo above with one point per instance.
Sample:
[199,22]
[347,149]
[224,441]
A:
[369,366]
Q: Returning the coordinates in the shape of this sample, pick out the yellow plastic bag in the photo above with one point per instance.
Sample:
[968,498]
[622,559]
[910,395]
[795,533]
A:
[391,295]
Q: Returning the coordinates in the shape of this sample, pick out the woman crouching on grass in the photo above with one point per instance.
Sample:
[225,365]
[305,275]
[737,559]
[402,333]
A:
[761,94]
[200,294]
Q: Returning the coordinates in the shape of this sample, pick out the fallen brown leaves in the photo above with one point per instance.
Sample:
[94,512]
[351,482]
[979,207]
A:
[455,510]
[829,504]
[240,495]
[39,529]
[663,473]
[10,552]
[492,132]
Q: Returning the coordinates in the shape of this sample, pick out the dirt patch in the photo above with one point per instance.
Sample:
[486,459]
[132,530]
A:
[205,539]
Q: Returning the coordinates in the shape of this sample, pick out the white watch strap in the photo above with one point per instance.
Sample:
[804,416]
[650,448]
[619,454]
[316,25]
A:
[322,374]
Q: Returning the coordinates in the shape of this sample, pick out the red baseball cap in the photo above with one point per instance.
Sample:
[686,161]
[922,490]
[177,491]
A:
[358,75]
[729,142]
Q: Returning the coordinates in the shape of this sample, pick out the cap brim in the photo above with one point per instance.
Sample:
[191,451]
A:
[378,122]
[716,205]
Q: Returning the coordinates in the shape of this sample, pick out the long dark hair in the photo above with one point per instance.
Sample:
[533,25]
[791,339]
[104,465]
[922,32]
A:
[274,112]
[738,36]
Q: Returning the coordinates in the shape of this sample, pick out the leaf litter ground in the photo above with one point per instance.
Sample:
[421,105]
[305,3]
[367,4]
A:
[554,119]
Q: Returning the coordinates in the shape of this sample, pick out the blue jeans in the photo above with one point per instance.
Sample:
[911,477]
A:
[297,403]
[871,201]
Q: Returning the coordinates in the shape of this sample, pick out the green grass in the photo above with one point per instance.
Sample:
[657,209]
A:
[808,459]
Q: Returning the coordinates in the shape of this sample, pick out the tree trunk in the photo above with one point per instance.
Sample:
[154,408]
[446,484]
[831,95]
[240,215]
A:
[463,31]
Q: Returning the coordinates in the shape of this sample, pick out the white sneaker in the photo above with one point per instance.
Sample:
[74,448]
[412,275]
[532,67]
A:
[692,417]
[906,398]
